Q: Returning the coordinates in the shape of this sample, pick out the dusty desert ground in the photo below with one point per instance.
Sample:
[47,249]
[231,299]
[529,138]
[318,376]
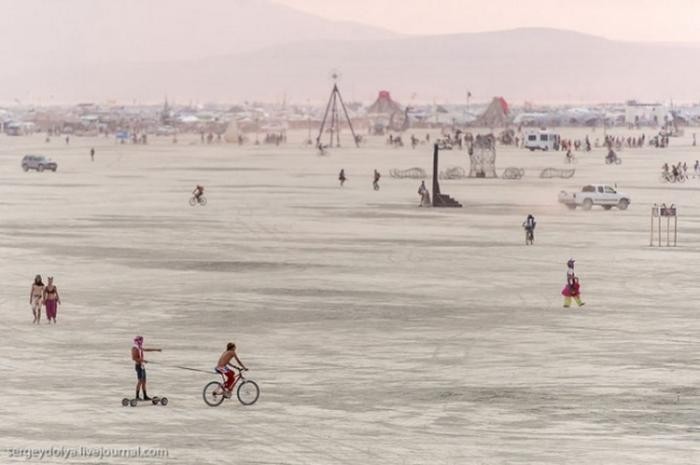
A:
[379,332]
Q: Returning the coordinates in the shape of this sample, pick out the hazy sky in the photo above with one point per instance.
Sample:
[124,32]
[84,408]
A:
[637,20]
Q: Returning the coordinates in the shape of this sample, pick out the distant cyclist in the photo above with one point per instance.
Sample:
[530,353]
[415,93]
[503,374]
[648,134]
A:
[198,192]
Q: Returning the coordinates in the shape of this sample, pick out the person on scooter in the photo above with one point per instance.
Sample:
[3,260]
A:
[137,351]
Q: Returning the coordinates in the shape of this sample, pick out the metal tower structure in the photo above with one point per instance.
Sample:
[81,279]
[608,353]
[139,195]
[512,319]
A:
[332,117]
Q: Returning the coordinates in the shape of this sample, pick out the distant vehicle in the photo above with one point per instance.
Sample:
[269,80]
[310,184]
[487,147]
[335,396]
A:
[166,131]
[542,140]
[595,194]
[39,163]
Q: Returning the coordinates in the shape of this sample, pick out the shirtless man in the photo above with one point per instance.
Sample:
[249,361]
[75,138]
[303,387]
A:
[137,351]
[223,367]
[36,296]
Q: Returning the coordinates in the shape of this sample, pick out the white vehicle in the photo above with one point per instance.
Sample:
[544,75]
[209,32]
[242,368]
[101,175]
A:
[595,194]
[541,140]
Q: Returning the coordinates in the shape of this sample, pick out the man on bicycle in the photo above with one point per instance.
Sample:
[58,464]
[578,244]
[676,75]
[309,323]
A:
[198,192]
[223,367]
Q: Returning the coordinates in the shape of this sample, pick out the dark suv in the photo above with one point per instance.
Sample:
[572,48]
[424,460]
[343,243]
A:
[38,162]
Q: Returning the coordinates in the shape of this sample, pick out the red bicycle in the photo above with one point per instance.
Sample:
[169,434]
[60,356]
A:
[215,393]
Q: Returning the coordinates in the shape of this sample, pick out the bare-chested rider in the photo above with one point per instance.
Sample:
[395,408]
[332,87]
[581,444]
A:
[137,351]
[223,367]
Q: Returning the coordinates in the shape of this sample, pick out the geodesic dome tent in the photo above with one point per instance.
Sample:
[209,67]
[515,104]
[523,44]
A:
[496,115]
[384,105]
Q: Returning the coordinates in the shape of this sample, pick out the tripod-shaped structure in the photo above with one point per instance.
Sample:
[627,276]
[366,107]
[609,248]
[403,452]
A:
[332,119]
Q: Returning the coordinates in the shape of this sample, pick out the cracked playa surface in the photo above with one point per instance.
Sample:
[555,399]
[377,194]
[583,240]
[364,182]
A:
[379,332]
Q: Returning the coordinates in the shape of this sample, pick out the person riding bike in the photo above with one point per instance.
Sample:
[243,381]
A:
[569,156]
[611,157]
[224,369]
[198,192]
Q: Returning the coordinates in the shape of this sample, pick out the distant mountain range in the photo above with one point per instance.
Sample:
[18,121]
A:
[235,50]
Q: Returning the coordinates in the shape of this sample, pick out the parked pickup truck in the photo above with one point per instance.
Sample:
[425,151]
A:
[595,194]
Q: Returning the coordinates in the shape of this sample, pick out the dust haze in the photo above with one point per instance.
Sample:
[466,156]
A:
[433,232]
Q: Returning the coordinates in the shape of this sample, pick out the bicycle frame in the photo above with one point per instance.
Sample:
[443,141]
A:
[238,376]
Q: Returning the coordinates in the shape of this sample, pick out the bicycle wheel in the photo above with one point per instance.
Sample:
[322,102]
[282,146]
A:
[248,392]
[193,201]
[202,201]
[213,394]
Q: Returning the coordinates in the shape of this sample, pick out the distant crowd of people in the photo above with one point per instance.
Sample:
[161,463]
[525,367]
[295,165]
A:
[678,172]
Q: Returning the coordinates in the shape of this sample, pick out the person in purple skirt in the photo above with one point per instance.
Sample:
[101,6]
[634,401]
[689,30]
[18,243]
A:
[51,300]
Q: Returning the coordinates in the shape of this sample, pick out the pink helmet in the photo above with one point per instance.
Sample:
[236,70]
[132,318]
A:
[138,340]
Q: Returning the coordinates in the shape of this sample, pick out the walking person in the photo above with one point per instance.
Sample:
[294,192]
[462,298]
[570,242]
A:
[529,226]
[375,183]
[51,300]
[572,288]
[92,154]
[424,195]
[341,177]
[572,292]
[570,275]
[36,296]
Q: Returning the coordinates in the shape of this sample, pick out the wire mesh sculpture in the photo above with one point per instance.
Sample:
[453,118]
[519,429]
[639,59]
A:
[453,172]
[513,173]
[549,173]
[411,173]
[482,157]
